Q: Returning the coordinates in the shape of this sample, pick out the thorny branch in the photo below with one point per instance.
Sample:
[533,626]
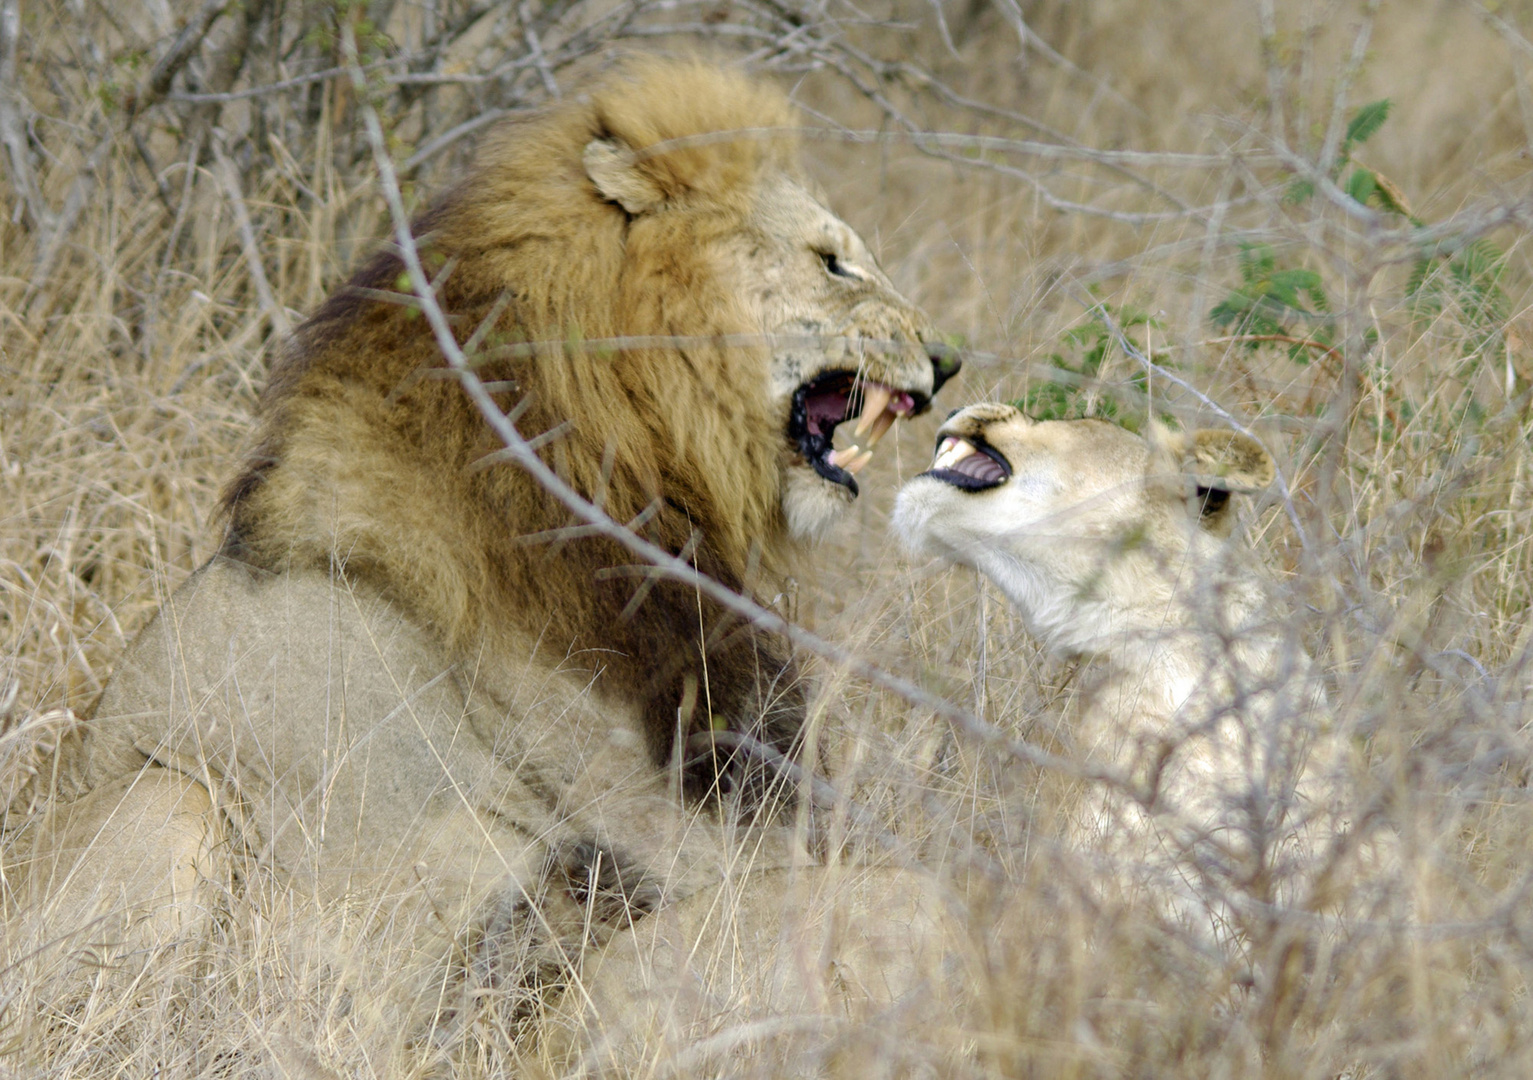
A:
[181,50]
[229,95]
[231,181]
[14,114]
[517,449]
[797,34]
[228,54]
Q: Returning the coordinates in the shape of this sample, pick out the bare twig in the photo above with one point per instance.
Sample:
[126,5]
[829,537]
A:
[181,50]
[160,186]
[229,177]
[535,49]
[298,82]
[452,135]
[821,792]
[1338,123]
[1276,88]
[1284,339]
[1047,197]
[946,139]
[74,204]
[14,112]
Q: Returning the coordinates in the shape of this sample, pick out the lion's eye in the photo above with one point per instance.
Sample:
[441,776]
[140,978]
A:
[835,266]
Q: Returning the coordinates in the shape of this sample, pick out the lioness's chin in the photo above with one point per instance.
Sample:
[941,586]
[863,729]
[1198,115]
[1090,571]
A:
[914,510]
[813,504]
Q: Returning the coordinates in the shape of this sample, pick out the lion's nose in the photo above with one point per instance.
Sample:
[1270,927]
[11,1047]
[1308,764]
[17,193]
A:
[945,364]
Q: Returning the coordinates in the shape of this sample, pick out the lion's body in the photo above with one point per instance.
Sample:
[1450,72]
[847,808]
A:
[1113,548]
[348,748]
[402,684]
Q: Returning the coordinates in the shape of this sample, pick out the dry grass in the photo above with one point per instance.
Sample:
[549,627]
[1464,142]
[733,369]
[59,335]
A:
[129,370]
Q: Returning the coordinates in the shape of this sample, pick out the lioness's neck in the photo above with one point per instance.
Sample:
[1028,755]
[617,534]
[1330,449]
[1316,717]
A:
[1156,625]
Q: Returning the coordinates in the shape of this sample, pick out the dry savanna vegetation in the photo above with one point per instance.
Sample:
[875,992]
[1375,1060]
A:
[1304,218]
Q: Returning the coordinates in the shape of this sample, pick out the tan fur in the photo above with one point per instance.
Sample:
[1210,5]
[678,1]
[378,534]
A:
[1112,548]
[856,970]
[393,688]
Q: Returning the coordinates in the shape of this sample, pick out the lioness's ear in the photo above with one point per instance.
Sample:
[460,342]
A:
[1230,461]
[1222,463]
[616,174]
[1205,467]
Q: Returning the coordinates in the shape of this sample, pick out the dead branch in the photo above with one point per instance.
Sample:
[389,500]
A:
[535,50]
[52,242]
[14,112]
[229,177]
[182,49]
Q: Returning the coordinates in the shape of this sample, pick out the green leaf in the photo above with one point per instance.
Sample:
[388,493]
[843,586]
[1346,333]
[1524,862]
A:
[1297,278]
[1299,191]
[1050,401]
[1420,273]
[1361,185]
[1366,121]
[1256,261]
[1469,285]
[1269,299]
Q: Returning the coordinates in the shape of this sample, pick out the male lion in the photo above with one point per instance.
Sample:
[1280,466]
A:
[406,682]
[1113,549]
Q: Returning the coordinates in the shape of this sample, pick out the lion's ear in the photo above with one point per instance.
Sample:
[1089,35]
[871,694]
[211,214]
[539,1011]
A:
[616,174]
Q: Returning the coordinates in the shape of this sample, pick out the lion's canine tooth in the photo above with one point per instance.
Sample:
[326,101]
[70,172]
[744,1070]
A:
[881,425]
[951,452]
[856,464]
[875,399]
[842,458]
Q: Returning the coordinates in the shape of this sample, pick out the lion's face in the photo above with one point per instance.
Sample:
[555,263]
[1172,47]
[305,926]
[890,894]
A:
[844,346]
[722,209]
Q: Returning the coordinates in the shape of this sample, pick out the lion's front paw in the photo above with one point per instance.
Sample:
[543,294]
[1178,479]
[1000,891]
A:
[607,884]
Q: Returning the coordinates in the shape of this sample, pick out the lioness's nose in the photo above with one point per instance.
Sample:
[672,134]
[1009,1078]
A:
[945,364]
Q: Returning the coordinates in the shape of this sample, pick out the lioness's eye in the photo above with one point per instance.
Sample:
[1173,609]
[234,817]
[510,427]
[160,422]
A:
[834,265]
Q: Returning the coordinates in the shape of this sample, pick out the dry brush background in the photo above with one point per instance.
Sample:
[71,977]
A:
[185,178]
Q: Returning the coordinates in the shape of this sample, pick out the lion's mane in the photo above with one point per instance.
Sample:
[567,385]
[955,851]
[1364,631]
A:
[370,459]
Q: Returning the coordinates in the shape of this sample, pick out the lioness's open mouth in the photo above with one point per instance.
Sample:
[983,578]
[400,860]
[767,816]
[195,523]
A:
[826,401]
[971,465]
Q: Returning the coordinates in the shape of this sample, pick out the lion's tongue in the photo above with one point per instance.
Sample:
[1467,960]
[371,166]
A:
[881,407]
[823,411]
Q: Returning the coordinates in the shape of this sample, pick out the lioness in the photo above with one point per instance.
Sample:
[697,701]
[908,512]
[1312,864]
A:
[1113,549]
[406,684]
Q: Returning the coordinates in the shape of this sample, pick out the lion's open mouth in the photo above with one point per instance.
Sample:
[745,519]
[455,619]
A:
[826,401]
[972,465]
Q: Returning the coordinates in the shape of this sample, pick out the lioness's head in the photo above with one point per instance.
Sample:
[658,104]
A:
[1084,525]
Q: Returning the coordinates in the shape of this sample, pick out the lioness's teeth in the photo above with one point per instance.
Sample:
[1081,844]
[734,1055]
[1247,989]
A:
[951,452]
[856,464]
[842,459]
[875,399]
[881,425]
